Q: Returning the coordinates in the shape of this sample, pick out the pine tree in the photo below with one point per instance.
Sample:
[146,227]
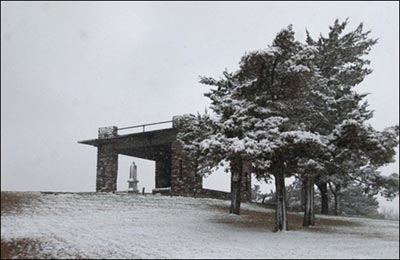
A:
[353,143]
[354,200]
[212,139]
[264,108]
[292,110]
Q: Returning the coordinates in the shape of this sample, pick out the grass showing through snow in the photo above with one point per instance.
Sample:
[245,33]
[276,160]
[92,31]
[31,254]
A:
[264,220]
[95,225]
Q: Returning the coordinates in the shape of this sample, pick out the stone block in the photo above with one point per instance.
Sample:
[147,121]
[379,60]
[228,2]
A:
[108,131]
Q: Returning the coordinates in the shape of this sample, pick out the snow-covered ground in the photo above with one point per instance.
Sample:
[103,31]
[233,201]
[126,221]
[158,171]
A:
[136,226]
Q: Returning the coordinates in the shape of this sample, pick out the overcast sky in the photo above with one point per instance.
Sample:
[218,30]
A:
[68,68]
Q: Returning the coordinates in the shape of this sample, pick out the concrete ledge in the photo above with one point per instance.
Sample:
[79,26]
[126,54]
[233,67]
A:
[162,191]
[214,194]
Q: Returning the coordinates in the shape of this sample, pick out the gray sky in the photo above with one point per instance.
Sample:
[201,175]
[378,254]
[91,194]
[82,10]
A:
[68,68]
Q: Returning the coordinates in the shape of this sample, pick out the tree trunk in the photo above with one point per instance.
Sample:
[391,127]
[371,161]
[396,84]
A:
[236,180]
[308,183]
[281,223]
[337,200]
[263,201]
[323,188]
[302,196]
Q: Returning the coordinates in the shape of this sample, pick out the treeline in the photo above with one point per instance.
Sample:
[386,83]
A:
[353,200]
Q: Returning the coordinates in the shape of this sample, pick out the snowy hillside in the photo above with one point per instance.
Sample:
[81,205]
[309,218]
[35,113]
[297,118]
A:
[137,226]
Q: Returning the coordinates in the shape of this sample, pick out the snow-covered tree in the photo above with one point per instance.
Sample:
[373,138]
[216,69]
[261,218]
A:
[359,151]
[291,109]
[262,112]
[355,202]
[353,143]
[354,199]
[212,139]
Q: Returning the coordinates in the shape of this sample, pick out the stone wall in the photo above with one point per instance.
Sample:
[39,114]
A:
[185,182]
[215,194]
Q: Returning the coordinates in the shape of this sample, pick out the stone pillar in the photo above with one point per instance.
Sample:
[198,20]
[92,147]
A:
[107,162]
[184,179]
[246,182]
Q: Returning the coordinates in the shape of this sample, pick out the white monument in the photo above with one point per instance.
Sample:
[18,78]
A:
[133,179]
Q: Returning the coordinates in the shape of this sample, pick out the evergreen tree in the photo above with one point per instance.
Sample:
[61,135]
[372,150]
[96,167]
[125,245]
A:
[354,199]
[262,113]
[292,110]
[353,143]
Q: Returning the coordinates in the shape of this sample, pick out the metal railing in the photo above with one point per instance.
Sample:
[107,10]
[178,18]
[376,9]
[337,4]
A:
[144,126]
